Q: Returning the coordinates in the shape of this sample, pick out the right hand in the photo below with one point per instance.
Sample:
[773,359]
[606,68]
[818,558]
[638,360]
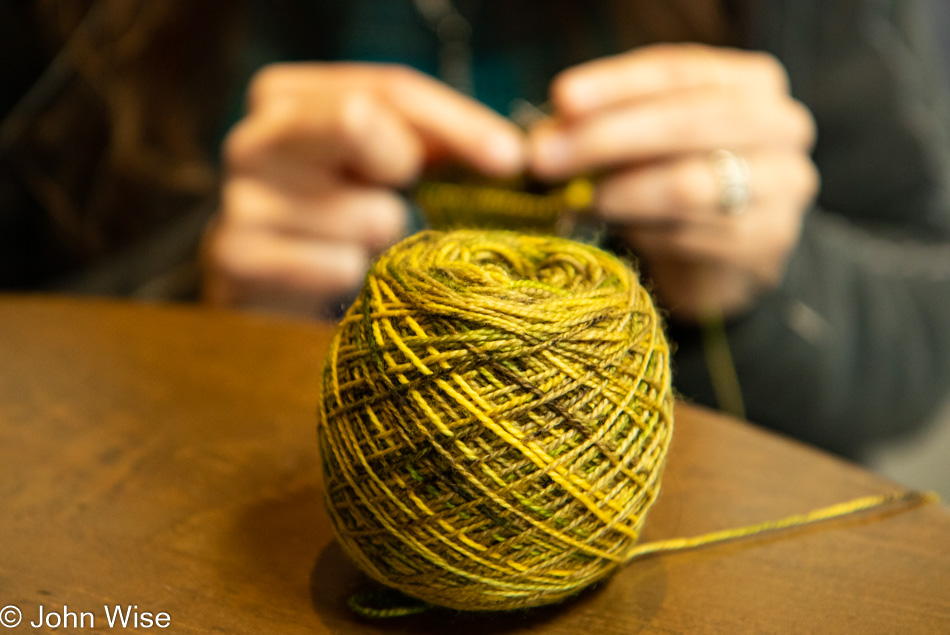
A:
[647,122]
[311,176]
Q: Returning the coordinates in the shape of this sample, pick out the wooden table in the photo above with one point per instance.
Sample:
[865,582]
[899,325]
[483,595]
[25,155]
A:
[165,458]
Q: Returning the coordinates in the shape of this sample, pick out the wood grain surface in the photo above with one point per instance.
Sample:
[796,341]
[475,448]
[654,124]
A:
[165,458]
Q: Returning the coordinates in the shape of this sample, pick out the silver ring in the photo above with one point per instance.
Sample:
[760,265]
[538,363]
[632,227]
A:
[732,177]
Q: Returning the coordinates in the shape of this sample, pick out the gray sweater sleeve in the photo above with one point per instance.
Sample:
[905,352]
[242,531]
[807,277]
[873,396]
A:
[855,344]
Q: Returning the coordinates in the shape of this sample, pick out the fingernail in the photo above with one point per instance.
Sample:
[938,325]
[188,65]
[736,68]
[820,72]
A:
[505,153]
[579,95]
[553,154]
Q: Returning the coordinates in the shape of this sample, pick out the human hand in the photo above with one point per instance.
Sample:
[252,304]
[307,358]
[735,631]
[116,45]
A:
[312,171]
[649,121]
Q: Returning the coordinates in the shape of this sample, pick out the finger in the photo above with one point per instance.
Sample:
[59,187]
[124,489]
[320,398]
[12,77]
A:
[676,190]
[756,243]
[467,129]
[374,217]
[290,141]
[445,119]
[370,216]
[686,189]
[255,269]
[694,291]
[699,121]
[654,70]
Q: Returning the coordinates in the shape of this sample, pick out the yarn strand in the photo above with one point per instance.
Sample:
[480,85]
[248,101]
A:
[397,605]
[853,507]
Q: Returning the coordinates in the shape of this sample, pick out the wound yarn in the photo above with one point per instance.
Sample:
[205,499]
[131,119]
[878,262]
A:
[495,415]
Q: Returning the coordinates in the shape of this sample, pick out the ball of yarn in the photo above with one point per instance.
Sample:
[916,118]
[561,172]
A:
[495,415]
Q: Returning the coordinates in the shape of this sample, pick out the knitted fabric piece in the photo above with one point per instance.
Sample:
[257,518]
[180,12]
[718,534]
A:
[495,415]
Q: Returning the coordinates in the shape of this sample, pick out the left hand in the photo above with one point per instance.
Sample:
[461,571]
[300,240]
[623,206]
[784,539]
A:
[648,123]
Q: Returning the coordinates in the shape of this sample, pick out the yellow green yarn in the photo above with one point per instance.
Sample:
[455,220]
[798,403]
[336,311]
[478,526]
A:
[495,416]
